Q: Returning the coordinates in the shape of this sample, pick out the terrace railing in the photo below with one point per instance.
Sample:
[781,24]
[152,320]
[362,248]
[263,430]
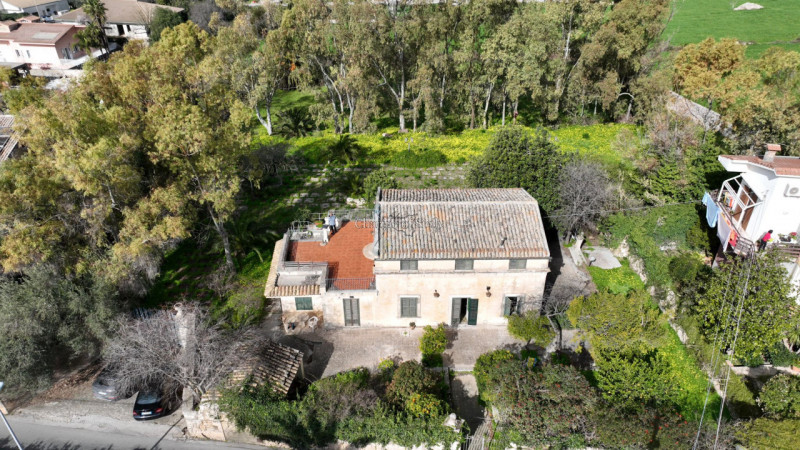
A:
[351,284]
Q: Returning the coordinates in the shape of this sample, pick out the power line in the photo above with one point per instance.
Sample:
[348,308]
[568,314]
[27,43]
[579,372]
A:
[715,355]
[751,258]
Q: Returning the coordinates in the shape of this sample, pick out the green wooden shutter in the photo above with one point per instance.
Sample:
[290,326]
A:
[302,303]
[506,306]
[408,307]
[456,312]
[472,311]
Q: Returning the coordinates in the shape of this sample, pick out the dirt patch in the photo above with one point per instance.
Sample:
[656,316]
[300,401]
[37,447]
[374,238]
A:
[71,384]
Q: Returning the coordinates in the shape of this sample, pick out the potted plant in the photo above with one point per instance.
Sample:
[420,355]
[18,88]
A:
[793,235]
[412,325]
[318,223]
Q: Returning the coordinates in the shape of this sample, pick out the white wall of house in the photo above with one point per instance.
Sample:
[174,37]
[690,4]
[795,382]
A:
[40,55]
[44,9]
[779,211]
[382,306]
[127,31]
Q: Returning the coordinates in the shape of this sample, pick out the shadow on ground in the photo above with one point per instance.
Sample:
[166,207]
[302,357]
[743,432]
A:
[464,392]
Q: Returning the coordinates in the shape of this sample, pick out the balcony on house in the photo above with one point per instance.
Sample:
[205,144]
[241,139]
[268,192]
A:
[738,202]
[307,264]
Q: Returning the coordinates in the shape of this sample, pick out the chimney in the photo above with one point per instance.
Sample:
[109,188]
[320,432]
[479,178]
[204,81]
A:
[772,149]
[8,26]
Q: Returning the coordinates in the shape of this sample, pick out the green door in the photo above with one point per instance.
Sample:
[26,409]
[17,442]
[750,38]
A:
[456,317]
[472,311]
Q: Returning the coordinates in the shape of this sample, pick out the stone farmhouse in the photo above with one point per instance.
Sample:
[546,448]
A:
[463,257]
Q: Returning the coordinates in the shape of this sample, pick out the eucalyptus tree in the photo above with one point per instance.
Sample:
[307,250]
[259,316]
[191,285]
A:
[481,21]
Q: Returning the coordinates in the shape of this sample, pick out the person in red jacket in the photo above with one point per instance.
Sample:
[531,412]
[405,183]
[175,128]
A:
[762,244]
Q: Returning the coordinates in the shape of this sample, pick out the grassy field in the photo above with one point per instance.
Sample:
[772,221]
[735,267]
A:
[695,20]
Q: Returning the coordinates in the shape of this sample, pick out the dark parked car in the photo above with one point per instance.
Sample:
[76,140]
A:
[105,387]
[155,402]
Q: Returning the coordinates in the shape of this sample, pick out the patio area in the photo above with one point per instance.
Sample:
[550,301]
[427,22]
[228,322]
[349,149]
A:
[341,349]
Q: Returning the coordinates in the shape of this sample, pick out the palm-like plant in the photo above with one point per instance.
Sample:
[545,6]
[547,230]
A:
[296,122]
[345,149]
[96,11]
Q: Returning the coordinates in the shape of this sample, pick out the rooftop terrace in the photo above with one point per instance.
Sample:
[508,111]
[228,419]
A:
[303,265]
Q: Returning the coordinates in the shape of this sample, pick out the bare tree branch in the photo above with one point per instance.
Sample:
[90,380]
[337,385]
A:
[184,347]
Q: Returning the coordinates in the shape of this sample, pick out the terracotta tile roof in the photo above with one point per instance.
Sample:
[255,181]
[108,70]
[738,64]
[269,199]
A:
[453,223]
[455,195]
[275,365]
[344,253]
[781,165]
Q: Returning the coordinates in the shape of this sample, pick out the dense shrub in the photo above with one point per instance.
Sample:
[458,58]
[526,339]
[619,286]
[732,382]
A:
[345,407]
[433,340]
[411,159]
[485,364]
[764,433]
[685,267]
[411,378]
[779,355]
[548,405]
[646,427]
[780,396]
[620,280]
[531,327]
[516,159]
[378,179]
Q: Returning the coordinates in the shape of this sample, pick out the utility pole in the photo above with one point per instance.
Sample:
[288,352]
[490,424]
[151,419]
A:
[10,431]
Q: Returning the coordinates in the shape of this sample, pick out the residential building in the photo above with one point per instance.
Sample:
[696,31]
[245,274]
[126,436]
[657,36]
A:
[41,45]
[42,8]
[457,256]
[765,195]
[124,18]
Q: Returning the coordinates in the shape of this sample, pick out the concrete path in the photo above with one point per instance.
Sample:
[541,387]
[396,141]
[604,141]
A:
[464,391]
[471,342]
[603,258]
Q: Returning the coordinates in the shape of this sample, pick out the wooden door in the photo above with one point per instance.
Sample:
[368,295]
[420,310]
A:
[472,311]
[456,317]
[352,315]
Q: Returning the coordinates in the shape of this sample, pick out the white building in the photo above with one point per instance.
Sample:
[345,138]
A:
[42,8]
[462,257]
[124,18]
[41,45]
[764,196]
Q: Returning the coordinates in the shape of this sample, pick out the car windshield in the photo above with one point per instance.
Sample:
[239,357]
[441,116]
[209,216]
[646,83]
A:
[147,398]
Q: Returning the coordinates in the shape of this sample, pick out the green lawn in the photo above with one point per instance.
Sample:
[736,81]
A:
[695,20]
[594,141]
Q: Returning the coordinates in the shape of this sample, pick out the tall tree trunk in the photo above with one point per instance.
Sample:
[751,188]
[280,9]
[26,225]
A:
[266,123]
[472,107]
[486,105]
[504,109]
[516,110]
[441,93]
[351,106]
[223,234]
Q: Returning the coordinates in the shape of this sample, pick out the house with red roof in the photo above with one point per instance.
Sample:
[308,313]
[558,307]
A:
[463,257]
[41,45]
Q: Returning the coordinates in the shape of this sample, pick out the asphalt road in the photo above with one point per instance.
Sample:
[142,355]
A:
[35,435]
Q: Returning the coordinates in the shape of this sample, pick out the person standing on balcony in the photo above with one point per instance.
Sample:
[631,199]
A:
[762,244]
[331,221]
